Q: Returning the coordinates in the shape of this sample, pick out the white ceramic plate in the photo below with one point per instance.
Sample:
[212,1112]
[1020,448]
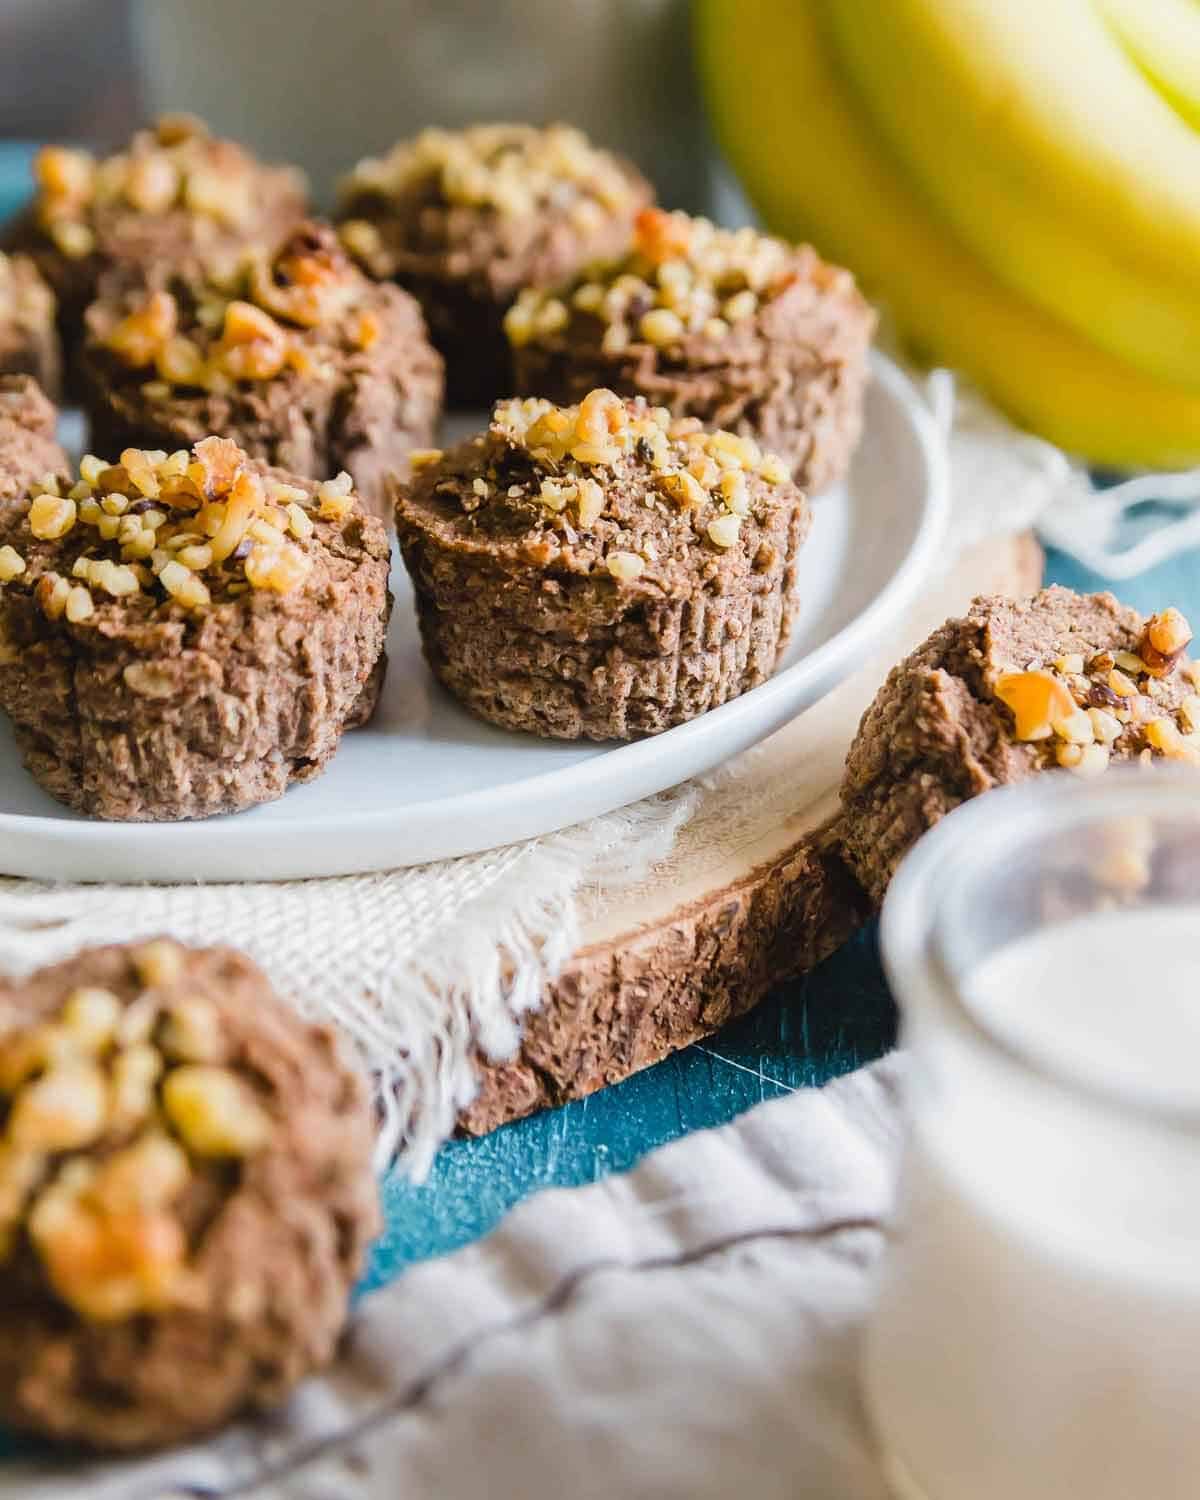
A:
[426,781]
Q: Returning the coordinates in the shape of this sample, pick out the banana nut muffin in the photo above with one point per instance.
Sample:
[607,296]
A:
[29,450]
[601,571]
[1014,688]
[298,357]
[28,336]
[189,634]
[465,219]
[186,1195]
[174,194]
[731,326]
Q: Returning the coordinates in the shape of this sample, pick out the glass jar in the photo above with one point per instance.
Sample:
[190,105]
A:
[1037,1331]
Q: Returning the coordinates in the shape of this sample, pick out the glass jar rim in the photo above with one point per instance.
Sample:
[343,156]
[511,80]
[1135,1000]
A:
[914,941]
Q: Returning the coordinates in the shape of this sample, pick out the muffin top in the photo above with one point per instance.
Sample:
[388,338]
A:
[155,538]
[25,300]
[171,1134]
[610,486]
[302,313]
[174,186]
[683,279]
[452,201]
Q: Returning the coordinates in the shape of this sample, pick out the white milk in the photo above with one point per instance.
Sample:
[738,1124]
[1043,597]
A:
[1038,1334]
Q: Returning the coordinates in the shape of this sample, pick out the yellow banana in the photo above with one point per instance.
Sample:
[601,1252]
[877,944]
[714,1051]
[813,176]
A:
[815,169]
[1163,38]
[1038,141]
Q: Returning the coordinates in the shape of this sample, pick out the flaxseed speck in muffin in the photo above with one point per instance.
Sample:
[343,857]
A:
[298,357]
[465,219]
[601,571]
[28,336]
[1015,687]
[729,325]
[186,1195]
[174,196]
[188,634]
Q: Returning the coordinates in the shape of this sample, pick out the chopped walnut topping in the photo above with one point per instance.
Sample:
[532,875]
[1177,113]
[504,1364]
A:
[1037,699]
[1167,637]
[175,166]
[214,1112]
[1080,708]
[563,464]
[683,276]
[626,567]
[103,1131]
[189,527]
[252,326]
[511,170]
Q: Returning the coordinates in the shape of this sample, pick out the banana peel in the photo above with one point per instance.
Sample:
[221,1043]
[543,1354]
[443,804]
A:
[1034,137]
[815,168]
[1163,39]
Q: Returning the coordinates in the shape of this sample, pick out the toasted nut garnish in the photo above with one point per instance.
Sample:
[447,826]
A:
[62,1110]
[589,501]
[1164,736]
[90,1017]
[773,469]
[723,532]
[139,337]
[1166,638]
[107,1265]
[1036,699]
[192,1031]
[1105,726]
[12,564]
[159,963]
[683,489]
[133,1075]
[27,1051]
[51,517]
[1093,759]
[214,1111]
[149,1173]
[1076,728]
[625,566]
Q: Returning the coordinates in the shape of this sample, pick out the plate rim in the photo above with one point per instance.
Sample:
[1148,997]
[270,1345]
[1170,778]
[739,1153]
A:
[825,666]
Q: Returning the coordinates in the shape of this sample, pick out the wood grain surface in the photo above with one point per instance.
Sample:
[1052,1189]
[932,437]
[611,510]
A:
[753,892]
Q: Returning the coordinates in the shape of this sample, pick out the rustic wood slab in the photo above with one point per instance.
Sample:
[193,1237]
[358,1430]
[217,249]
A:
[752,893]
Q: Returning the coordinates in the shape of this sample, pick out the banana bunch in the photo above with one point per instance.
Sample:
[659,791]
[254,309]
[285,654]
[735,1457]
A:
[1018,181]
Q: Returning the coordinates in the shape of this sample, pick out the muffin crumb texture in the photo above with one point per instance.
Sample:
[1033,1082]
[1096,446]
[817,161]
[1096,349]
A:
[1016,687]
[30,453]
[184,634]
[28,336]
[729,325]
[601,570]
[185,1194]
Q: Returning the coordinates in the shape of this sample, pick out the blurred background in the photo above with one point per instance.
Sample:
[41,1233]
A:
[1047,246]
[323,84]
